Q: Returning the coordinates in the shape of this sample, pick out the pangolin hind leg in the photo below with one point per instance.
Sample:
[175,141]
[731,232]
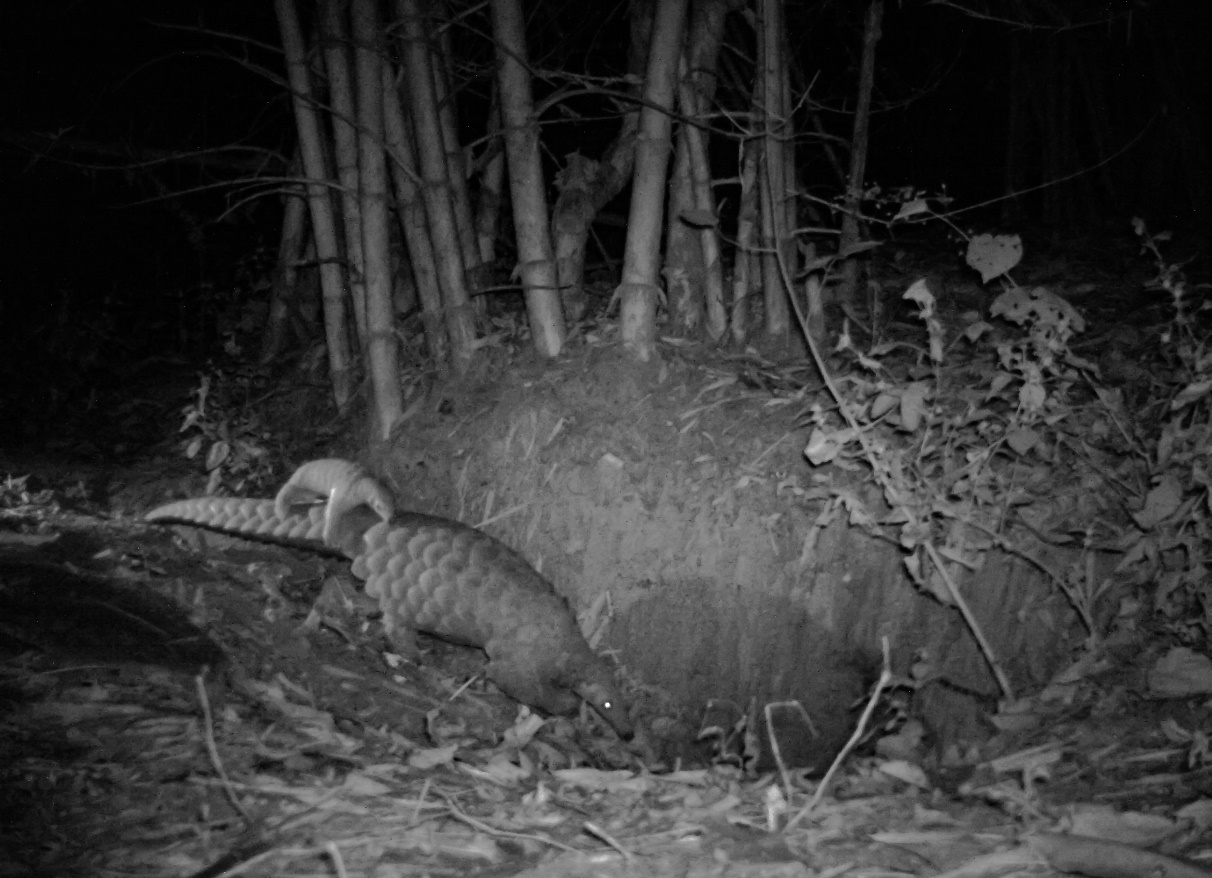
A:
[341,484]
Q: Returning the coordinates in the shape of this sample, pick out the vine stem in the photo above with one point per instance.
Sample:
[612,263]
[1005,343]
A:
[877,470]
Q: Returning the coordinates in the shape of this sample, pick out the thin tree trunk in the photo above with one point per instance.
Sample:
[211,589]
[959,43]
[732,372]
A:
[704,204]
[773,188]
[460,324]
[488,205]
[694,277]
[683,268]
[398,138]
[312,152]
[640,291]
[334,36]
[703,52]
[536,262]
[747,221]
[790,250]
[585,186]
[456,167]
[282,297]
[851,229]
[376,234]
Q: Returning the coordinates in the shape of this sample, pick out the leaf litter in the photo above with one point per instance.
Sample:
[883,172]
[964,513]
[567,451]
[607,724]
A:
[135,770]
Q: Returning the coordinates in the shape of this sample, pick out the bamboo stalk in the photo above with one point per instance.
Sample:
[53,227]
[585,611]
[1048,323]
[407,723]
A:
[536,267]
[640,291]
[375,233]
[418,63]
[323,226]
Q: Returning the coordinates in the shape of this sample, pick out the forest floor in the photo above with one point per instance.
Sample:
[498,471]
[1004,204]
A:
[174,702]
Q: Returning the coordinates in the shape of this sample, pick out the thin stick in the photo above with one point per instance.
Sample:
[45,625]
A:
[208,735]
[986,649]
[881,684]
[334,853]
[597,831]
[768,710]
[491,830]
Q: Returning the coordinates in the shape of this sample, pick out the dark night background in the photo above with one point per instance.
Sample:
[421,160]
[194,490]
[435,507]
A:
[116,255]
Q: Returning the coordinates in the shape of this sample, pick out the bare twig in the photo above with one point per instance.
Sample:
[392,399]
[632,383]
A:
[986,648]
[208,734]
[503,833]
[881,684]
[597,831]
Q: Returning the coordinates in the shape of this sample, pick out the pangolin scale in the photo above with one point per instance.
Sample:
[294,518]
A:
[444,578]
